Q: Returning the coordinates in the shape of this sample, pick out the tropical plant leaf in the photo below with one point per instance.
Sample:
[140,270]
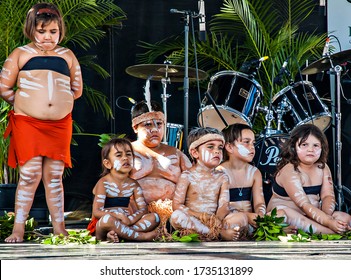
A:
[245,30]
[87,22]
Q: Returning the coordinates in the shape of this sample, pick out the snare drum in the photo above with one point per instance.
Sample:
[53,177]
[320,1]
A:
[236,96]
[300,110]
[175,135]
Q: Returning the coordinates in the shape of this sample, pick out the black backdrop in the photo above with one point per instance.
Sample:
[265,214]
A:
[150,21]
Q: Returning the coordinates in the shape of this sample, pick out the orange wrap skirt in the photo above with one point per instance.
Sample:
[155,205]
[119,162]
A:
[30,137]
[92,225]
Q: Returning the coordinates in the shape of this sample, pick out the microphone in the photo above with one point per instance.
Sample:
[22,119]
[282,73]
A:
[175,11]
[246,67]
[202,20]
[278,79]
[255,61]
[326,47]
[131,100]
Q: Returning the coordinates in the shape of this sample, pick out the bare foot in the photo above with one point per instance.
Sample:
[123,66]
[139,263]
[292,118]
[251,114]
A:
[63,232]
[112,237]
[290,229]
[149,236]
[236,233]
[14,238]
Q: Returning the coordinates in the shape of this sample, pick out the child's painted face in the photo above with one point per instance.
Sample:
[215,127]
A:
[121,159]
[150,133]
[211,153]
[246,145]
[47,37]
[310,150]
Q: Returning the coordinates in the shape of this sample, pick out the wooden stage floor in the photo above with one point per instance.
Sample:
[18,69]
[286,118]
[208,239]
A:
[242,250]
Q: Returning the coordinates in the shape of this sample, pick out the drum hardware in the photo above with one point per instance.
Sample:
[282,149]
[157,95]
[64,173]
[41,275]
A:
[269,117]
[331,62]
[283,108]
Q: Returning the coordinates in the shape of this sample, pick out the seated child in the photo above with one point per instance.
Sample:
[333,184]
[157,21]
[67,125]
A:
[113,218]
[201,199]
[157,165]
[303,185]
[245,180]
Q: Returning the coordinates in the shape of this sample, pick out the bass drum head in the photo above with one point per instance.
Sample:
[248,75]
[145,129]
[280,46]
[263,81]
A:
[267,153]
[208,117]
[266,157]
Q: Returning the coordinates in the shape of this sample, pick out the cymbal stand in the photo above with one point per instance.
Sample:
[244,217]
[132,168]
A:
[335,94]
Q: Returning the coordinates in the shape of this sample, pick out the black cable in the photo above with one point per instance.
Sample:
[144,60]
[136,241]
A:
[196,68]
[131,100]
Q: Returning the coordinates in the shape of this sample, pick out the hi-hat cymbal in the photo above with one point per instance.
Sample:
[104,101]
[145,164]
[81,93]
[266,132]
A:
[157,72]
[324,63]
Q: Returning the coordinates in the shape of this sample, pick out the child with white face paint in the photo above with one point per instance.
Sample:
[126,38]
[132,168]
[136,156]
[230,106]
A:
[245,180]
[157,165]
[303,185]
[41,80]
[113,216]
[202,192]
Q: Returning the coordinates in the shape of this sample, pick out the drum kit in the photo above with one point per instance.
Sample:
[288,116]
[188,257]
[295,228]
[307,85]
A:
[235,97]
[167,73]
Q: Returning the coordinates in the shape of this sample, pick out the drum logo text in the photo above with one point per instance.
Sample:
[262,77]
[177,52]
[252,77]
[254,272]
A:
[272,153]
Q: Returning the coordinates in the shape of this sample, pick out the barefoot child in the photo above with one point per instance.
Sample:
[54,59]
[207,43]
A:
[303,185]
[41,80]
[201,199]
[157,165]
[112,214]
[245,180]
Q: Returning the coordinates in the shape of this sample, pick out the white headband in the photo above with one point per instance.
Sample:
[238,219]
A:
[154,115]
[206,138]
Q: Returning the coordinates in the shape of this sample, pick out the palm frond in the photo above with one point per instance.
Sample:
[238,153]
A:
[85,19]
[98,101]
[89,62]
[86,22]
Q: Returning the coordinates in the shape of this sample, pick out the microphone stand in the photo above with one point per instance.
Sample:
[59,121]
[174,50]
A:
[336,70]
[186,79]
[186,15]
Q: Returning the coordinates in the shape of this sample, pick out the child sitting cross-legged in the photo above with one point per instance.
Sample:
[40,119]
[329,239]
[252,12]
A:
[113,216]
[201,198]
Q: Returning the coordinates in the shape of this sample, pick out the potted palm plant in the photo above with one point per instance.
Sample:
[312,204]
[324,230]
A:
[85,20]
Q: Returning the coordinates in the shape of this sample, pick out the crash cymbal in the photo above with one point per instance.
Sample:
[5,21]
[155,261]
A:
[324,63]
[157,72]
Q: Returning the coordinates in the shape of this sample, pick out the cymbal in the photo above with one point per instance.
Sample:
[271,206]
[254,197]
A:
[157,72]
[324,63]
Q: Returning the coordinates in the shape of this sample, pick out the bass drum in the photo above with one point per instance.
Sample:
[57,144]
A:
[236,96]
[266,157]
[268,151]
